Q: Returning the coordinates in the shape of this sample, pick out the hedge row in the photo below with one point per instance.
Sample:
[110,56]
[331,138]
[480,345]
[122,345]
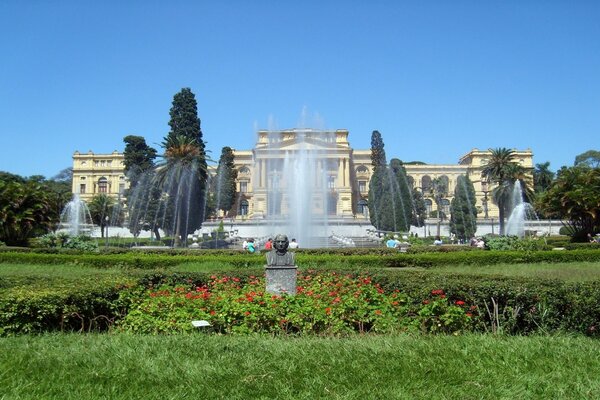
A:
[506,305]
[244,260]
[86,306]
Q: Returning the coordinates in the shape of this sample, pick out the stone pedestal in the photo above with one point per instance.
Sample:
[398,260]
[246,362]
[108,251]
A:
[281,279]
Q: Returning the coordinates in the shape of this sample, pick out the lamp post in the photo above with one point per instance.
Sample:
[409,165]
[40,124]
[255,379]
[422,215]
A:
[106,220]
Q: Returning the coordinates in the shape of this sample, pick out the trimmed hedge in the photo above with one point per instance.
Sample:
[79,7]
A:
[245,260]
[86,306]
[503,304]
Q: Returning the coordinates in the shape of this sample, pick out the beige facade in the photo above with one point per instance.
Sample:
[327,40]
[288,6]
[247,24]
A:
[95,174]
[349,172]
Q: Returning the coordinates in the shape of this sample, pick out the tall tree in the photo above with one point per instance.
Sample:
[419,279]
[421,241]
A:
[463,213]
[438,192]
[419,210]
[381,211]
[182,175]
[542,177]
[575,197]
[591,158]
[225,186]
[101,209]
[143,197]
[138,157]
[401,194]
[497,170]
[25,211]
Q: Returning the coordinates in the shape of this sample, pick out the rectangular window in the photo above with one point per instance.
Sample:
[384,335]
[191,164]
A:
[244,187]
[82,188]
[331,182]
[362,186]
[121,188]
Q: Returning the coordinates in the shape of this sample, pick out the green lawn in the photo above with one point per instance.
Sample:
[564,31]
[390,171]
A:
[249,367]
[584,271]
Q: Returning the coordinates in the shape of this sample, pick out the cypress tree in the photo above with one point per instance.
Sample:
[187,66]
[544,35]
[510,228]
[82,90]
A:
[225,180]
[381,210]
[183,175]
[401,196]
[463,213]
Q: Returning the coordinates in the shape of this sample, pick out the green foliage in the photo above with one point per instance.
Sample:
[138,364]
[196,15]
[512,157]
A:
[463,214]
[224,182]
[182,175]
[104,211]
[25,211]
[34,308]
[502,170]
[590,158]
[390,197]
[575,196]
[542,177]
[138,157]
[378,158]
[514,243]
[63,240]
[326,303]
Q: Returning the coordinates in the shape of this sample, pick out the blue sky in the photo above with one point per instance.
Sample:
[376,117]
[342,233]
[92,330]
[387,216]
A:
[436,78]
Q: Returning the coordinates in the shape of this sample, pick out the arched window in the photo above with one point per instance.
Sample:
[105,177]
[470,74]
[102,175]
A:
[244,171]
[244,207]
[428,206]
[102,185]
[445,182]
[362,207]
[445,203]
[410,181]
[361,169]
[426,183]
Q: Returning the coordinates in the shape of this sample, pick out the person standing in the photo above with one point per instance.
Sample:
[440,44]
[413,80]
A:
[293,244]
[269,244]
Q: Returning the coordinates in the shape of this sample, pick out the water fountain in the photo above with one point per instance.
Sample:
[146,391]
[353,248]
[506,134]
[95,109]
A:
[75,218]
[299,186]
[521,212]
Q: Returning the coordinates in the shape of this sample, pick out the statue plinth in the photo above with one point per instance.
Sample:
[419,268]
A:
[281,279]
[281,269]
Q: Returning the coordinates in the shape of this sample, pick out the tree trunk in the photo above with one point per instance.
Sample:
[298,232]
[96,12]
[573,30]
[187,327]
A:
[501,219]
[156,233]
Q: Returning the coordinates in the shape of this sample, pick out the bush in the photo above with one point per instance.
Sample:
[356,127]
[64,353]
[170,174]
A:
[515,243]
[90,306]
[63,240]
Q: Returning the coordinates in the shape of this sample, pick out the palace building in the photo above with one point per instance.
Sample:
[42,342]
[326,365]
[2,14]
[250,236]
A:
[322,159]
[347,174]
[95,174]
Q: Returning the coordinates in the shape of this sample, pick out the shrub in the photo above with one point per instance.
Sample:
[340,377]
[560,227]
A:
[63,240]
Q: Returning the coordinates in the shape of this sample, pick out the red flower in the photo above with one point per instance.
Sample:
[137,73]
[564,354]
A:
[425,301]
[378,312]
[247,313]
[437,292]
[460,303]
[469,314]
[328,310]
[213,312]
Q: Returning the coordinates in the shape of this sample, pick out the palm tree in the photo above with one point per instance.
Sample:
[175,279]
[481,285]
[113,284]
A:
[542,177]
[438,191]
[182,176]
[497,170]
[101,209]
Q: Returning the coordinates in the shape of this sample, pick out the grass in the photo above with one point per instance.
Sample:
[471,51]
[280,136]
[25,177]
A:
[570,272]
[118,366]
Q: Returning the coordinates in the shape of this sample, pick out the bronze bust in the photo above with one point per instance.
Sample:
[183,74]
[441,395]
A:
[279,256]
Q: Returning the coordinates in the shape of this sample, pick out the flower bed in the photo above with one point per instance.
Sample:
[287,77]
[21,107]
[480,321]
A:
[326,303]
